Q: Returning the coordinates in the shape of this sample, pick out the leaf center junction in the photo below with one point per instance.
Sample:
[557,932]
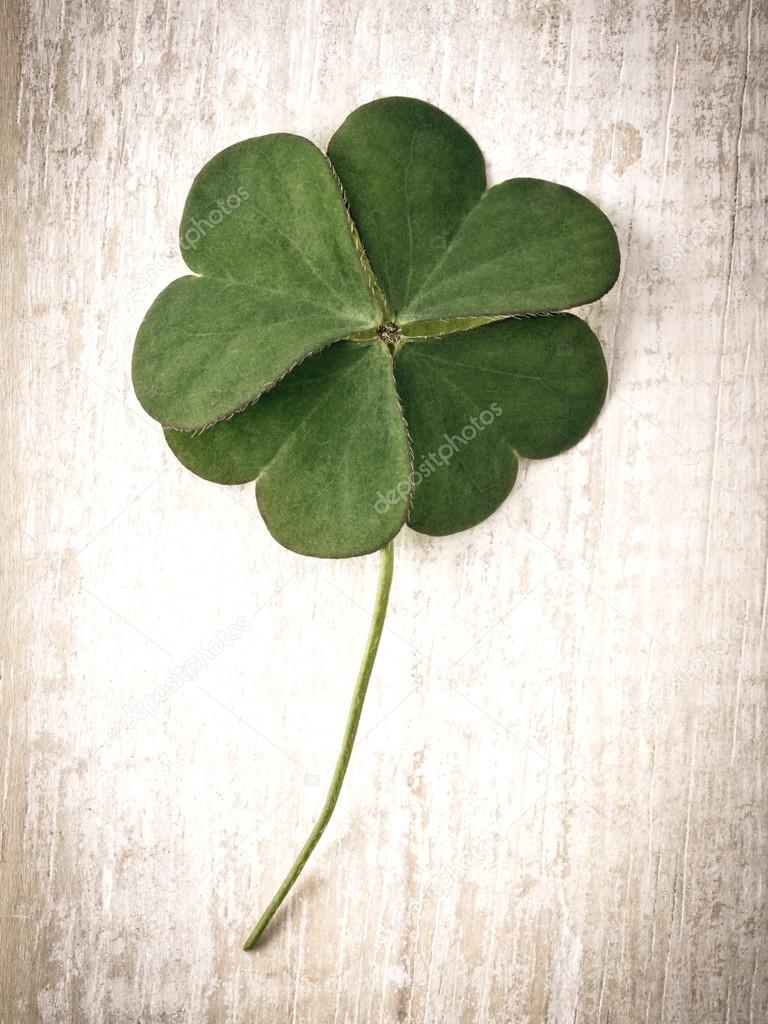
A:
[390,333]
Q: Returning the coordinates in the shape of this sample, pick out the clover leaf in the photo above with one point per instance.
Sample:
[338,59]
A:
[375,337]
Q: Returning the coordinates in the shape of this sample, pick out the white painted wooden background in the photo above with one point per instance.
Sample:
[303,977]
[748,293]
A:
[557,811]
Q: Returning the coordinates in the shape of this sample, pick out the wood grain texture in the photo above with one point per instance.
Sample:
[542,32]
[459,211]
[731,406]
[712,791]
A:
[557,811]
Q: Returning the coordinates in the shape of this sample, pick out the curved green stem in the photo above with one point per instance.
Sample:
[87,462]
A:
[353,720]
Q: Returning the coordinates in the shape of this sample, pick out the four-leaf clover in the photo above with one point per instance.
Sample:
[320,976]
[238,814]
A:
[375,336]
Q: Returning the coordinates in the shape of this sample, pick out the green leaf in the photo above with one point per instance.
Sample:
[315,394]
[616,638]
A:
[328,444]
[475,401]
[440,244]
[410,174]
[265,226]
[527,246]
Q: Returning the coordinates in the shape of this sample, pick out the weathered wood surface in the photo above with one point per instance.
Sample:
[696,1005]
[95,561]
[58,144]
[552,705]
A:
[558,809]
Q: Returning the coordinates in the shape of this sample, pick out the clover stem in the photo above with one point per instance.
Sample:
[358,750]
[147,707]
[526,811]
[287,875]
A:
[353,720]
